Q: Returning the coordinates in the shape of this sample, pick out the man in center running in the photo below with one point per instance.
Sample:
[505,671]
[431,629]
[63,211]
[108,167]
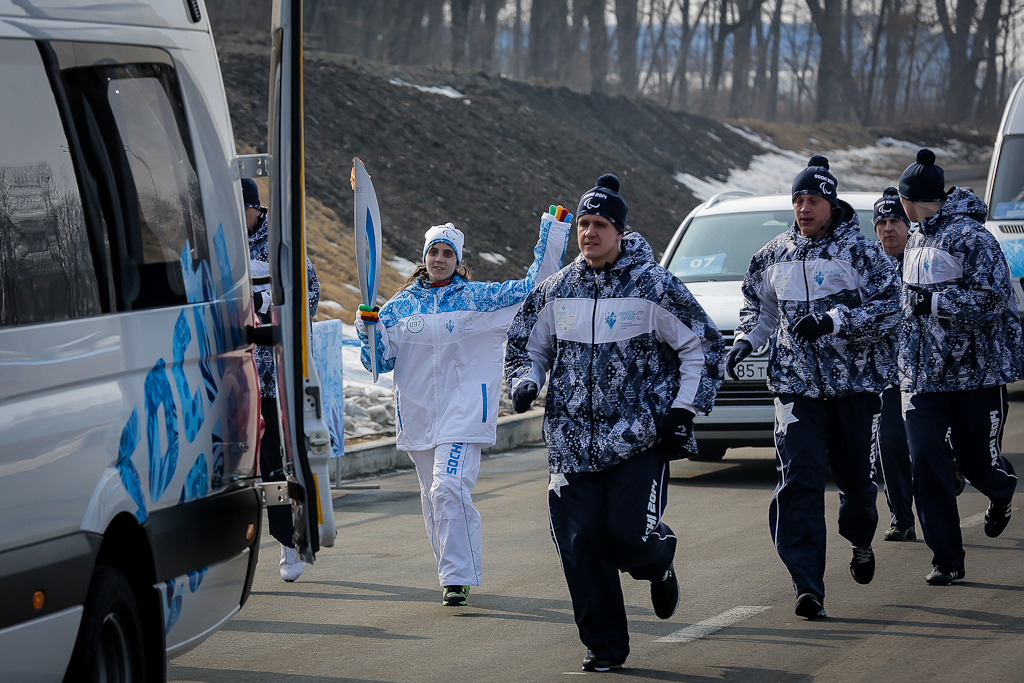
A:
[827,297]
[633,357]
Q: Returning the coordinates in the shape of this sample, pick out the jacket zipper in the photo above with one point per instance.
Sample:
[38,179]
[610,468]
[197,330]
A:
[590,373]
[437,393]
[807,296]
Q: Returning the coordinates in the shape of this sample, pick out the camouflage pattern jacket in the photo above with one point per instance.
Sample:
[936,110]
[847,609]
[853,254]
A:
[259,250]
[972,340]
[843,275]
[624,344]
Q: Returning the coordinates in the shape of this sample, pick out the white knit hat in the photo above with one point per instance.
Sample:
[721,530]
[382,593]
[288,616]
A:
[448,234]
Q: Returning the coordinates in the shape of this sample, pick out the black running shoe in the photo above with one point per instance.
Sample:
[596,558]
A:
[595,663]
[455,596]
[862,565]
[810,605]
[894,534]
[937,577]
[665,594]
[996,518]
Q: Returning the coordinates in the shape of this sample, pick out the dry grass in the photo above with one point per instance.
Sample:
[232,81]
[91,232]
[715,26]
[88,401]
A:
[332,250]
[809,137]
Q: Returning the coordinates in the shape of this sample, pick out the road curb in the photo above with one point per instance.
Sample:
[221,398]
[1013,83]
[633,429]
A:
[376,457]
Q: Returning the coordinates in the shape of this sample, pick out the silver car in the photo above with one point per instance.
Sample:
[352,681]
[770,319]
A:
[711,252]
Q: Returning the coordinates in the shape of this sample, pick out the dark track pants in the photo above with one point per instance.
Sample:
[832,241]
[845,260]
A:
[603,523]
[279,517]
[894,456]
[975,421]
[810,434]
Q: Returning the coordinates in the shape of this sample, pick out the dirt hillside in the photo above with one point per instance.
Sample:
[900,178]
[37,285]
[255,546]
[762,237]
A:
[490,154]
[490,161]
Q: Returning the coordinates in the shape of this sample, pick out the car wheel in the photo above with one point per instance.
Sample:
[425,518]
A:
[709,453]
[109,646]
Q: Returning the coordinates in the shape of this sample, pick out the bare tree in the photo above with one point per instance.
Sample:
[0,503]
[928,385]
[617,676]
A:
[679,84]
[834,78]
[517,40]
[966,49]
[485,23]
[895,29]
[548,28]
[597,43]
[460,31]
[739,97]
[627,31]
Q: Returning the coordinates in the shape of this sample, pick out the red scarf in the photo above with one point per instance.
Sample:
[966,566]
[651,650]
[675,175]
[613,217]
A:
[442,283]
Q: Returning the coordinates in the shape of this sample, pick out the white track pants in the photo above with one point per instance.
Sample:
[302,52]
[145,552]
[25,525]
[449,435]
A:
[447,476]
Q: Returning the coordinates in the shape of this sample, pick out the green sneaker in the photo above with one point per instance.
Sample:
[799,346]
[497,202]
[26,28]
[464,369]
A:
[454,596]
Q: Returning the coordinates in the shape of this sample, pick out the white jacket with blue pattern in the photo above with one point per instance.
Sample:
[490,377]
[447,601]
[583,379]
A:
[445,347]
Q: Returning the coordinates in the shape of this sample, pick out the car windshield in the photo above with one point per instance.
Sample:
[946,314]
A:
[1008,182]
[719,248]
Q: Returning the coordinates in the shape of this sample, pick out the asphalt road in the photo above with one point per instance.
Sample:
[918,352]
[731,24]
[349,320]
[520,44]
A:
[370,609]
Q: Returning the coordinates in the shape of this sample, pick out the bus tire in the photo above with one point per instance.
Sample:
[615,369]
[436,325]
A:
[109,646]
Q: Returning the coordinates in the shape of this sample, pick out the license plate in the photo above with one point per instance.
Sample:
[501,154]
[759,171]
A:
[752,370]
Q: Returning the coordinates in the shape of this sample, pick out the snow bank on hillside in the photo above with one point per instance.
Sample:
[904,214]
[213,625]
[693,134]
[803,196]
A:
[867,169]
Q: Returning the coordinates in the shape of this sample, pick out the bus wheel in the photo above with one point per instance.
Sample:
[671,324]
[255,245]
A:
[109,646]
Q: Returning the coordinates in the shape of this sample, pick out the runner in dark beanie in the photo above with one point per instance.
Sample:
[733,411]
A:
[961,348]
[828,297]
[633,357]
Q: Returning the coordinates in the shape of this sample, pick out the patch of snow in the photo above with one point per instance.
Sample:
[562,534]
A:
[332,307]
[355,373]
[446,90]
[351,288]
[865,169]
[814,141]
[714,137]
[753,137]
[496,259]
[404,267]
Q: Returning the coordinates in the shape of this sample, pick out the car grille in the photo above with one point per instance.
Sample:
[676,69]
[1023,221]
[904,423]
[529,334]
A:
[741,393]
[1014,228]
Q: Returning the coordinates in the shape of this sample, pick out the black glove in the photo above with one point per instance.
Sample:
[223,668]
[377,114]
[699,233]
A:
[810,327]
[677,427]
[739,351]
[921,299]
[523,395]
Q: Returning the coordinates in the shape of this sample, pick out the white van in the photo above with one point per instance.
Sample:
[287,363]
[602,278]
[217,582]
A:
[1004,193]
[710,252]
[129,401]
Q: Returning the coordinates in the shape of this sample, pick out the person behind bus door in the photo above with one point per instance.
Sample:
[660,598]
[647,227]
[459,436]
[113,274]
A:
[961,348]
[633,357]
[442,336]
[271,463]
[829,298]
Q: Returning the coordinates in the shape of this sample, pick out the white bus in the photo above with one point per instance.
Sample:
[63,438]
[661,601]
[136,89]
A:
[1004,193]
[130,511]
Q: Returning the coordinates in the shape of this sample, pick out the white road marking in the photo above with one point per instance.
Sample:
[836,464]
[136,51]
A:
[709,626]
[973,520]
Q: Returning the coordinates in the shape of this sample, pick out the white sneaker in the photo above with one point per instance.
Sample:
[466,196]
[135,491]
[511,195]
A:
[291,565]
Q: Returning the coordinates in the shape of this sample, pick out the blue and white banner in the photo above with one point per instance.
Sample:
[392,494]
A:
[327,356]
